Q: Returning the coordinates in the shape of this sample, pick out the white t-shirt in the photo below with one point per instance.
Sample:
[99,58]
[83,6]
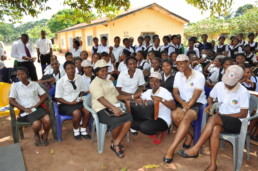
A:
[164,111]
[122,66]
[117,51]
[58,76]
[86,82]
[145,64]
[232,100]
[186,87]
[130,85]
[102,48]
[215,75]
[110,66]
[26,96]
[76,53]
[140,48]
[65,90]
[44,46]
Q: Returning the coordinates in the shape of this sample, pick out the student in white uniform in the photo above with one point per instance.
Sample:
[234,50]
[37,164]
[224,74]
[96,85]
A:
[156,47]
[174,45]
[103,47]
[127,49]
[141,46]
[130,81]
[76,49]
[166,104]
[221,48]
[25,96]
[141,62]
[250,56]
[195,63]
[88,75]
[2,49]
[234,48]
[188,91]
[44,50]
[166,44]
[252,43]
[122,65]
[117,49]
[105,56]
[234,99]
[69,92]
[191,49]
[95,46]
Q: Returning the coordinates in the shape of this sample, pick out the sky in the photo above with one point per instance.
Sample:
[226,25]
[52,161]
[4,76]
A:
[179,7]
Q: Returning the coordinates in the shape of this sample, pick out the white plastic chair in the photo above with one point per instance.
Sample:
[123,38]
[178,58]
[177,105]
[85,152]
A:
[238,141]
[101,128]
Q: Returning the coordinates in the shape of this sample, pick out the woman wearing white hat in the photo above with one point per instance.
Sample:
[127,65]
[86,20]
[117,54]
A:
[234,99]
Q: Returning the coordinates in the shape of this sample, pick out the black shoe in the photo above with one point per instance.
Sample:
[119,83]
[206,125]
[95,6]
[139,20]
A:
[184,155]
[186,146]
[167,160]
[86,136]
[77,137]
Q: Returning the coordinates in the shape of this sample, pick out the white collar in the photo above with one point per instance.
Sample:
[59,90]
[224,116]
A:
[67,79]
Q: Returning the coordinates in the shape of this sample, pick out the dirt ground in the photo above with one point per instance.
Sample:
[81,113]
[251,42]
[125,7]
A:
[72,155]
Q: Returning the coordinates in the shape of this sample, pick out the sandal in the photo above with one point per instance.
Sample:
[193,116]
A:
[44,141]
[118,153]
[37,141]
[122,148]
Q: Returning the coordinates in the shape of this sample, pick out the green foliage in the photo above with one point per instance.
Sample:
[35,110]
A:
[59,21]
[241,10]
[23,28]
[216,7]
[8,32]
[35,32]
[245,23]
[14,10]
[1,37]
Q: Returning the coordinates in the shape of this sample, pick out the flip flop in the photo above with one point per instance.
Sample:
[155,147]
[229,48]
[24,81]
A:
[119,153]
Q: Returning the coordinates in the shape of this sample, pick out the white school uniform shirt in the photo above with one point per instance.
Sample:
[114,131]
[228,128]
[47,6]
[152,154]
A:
[232,100]
[18,50]
[140,48]
[44,46]
[86,82]
[122,66]
[242,43]
[64,88]
[102,48]
[130,85]
[164,111]
[146,65]
[254,79]
[231,47]
[117,51]
[253,44]
[94,47]
[220,46]
[57,76]
[163,47]
[172,48]
[186,87]
[214,77]
[76,53]
[26,96]
[153,48]
[110,66]
[198,68]
[194,49]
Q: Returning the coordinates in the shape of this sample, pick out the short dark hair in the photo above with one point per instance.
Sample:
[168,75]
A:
[77,58]
[22,68]
[125,39]
[104,54]
[117,37]
[247,45]
[67,63]
[247,66]
[129,58]
[169,61]
[173,37]
[147,36]
[95,38]
[68,54]
[104,37]
[226,59]
[154,36]
[84,52]
[241,54]
[166,37]
[77,43]
[142,53]
[251,34]
[96,54]
[204,35]
[157,58]
[140,37]
[25,36]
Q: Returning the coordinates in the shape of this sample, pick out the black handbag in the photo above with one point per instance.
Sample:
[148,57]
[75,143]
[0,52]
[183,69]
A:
[147,110]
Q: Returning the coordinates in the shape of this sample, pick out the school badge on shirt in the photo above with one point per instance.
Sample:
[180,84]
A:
[234,101]
[191,84]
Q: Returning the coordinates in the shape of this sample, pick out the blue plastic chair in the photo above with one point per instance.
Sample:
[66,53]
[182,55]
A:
[197,124]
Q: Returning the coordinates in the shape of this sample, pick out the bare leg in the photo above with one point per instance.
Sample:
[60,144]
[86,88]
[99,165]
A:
[36,127]
[76,118]
[206,133]
[182,130]
[86,117]
[214,147]
[46,125]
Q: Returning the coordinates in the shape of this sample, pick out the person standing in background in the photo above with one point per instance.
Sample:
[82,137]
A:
[44,50]
[24,53]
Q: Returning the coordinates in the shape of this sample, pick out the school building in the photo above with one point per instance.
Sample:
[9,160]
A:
[148,20]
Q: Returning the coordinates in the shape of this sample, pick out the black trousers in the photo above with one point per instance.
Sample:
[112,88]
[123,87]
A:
[44,60]
[31,68]
[150,127]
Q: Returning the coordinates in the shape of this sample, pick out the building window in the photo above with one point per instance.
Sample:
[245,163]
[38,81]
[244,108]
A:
[89,40]
[143,34]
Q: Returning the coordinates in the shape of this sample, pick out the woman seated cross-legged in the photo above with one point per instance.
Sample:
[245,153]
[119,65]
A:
[69,92]
[234,99]
[188,91]
[105,102]
[166,104]
[25,96]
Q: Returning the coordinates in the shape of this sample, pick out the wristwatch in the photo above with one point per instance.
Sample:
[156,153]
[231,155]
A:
[163,100]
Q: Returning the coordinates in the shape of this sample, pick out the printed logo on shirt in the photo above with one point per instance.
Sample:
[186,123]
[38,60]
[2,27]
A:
[191,84]
[234,101]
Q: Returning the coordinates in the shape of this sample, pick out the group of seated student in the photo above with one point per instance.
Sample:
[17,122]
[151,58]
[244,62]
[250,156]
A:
[175,76]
